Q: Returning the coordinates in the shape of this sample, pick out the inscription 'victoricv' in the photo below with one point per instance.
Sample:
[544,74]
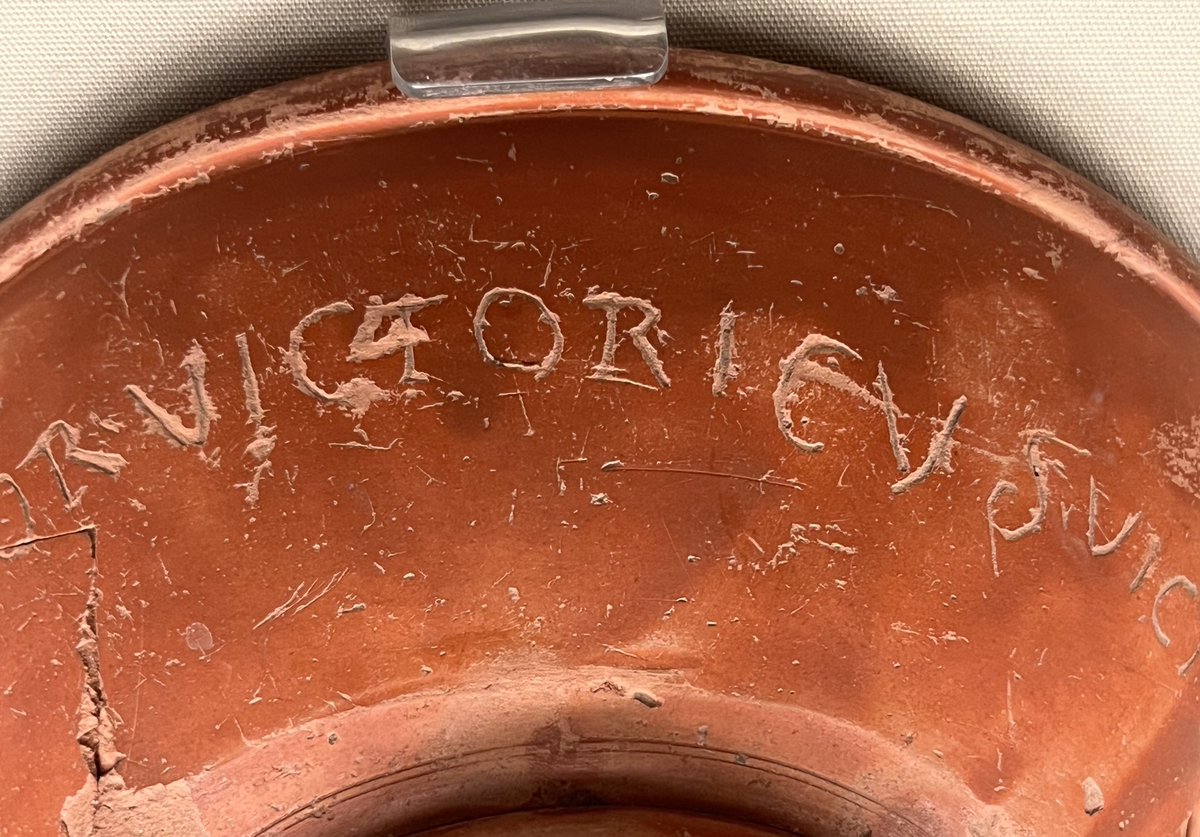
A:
[629,357]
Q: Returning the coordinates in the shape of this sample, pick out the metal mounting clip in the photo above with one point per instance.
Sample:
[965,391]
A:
[529,47]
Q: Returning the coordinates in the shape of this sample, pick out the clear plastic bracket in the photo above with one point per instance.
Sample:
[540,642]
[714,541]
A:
[529,47]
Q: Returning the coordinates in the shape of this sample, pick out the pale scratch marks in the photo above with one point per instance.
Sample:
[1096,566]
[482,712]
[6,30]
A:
[944,638]
[529,431]
[940,448]
[201,406]
[607,370]
[558,472]
[401,335]
[799,367]
[726,367]
[1040,468]
[1152,554]
[300,599]
[101,461]
[365,445]
[1002,488]
[259,448]
[545,316]
[328,586]
[1181,582]
[1185,584]
[282,609]
[356,395]
[889,414]
[1012,720]
[765,479]
[30,540]
[254,408]
[1104,549]
[9,552]
[810,534]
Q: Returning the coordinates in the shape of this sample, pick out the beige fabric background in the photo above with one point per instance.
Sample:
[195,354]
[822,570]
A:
[1110,88]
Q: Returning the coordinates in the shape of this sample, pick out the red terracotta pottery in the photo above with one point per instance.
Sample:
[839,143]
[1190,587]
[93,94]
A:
[754,453]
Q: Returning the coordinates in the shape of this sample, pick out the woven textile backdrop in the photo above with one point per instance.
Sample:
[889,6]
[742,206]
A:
[1110,88]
